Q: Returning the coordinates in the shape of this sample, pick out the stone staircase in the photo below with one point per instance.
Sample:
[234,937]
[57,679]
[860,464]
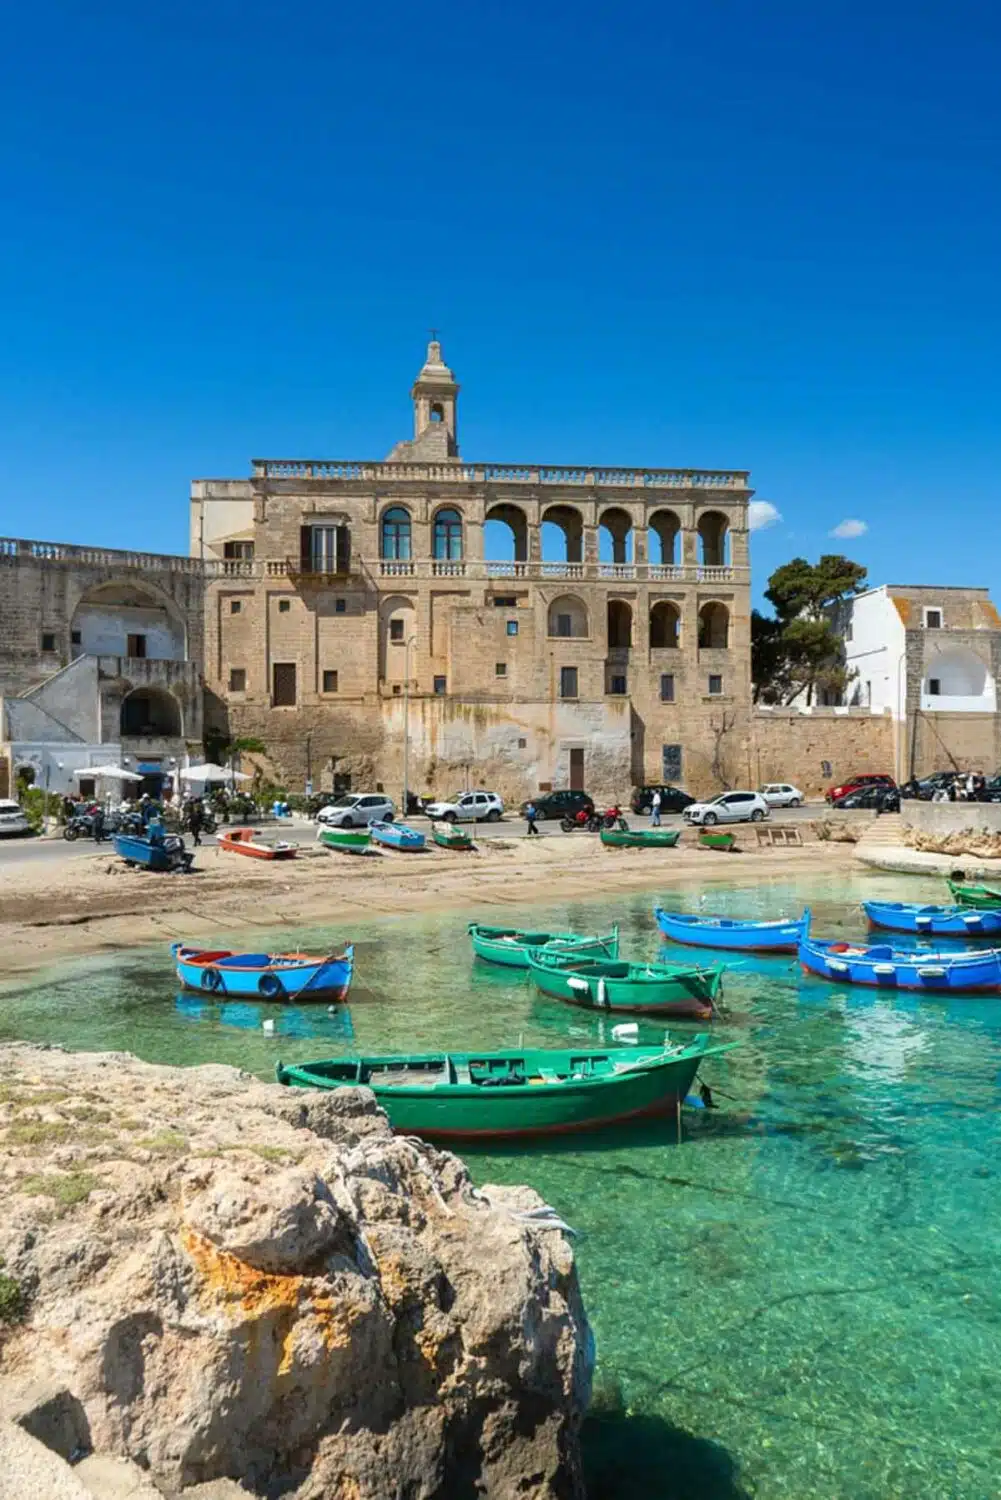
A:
[884,832]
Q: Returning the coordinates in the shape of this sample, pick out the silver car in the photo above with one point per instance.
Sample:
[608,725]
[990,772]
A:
[357,810]
[729,807]
[12,818]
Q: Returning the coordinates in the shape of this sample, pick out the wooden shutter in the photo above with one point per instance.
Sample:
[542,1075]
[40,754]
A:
[306,548]
[343,549]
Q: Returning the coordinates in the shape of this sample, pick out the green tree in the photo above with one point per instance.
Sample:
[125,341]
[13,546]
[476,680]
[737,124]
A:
[799,650]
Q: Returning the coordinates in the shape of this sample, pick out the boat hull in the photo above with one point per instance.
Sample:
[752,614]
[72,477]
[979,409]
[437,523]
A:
[538,1108]
[511,949]
[398,836]
[721,841]
[640,838]
[170,855]
[221,974]
[451,838]
[244,841]
[882,967]
[689,993]
[346,840]
[731,936]
[935,921]
[984,897]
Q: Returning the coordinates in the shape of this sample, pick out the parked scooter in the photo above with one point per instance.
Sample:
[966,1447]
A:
[85,825]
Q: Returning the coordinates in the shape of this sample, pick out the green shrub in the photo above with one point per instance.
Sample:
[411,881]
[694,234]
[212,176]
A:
[33,800]
[13,1299]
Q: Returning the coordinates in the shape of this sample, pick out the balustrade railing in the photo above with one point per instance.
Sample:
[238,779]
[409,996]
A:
[105,557]
[463,473]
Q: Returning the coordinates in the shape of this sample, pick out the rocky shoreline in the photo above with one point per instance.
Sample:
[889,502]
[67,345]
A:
[212,1286]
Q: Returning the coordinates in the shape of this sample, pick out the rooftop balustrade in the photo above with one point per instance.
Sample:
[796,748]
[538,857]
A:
[557,475]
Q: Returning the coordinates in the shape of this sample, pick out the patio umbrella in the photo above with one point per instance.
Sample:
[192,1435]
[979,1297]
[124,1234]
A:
[210,774]
[106,773]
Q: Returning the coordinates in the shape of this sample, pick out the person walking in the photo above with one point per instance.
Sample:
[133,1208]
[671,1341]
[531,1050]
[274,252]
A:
[196,821]
[655,810]
[531,813]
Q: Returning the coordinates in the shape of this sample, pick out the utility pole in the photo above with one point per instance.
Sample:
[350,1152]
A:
[309,764]
[406,725]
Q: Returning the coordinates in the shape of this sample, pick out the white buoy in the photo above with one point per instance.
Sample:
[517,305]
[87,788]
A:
[267,1025]
[331,1010]
[628,1031]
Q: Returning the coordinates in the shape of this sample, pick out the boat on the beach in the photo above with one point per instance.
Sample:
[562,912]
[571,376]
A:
[640,838]
[717,839]
[264,976]
[936,921]
[249,841]
[347,840]
[982,896]
[156,850]
[618,985]
[512,947]
[732,933]
[447,836]
[397,836]
[499,1095]
[885,967]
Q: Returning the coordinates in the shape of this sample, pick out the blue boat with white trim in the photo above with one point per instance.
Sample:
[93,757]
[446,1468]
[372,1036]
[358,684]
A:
[882,966]
[732,933]
[934,921]
[264,976]
[398,836]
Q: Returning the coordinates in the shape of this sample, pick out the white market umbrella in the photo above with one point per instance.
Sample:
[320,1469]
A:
[211,774]
[106,773]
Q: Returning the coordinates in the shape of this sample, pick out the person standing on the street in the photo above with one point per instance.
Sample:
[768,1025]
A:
[196,820]
[531,813]
[655,810]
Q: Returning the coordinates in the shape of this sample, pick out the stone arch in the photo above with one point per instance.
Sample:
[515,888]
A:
[397,625]
[150,713]
[615,535]
[395,534]
[714,539]
[568,520]
[514,518]
[714,626]
[568,616]
[619,624]
[665,626]
[665,525]
[957,672]
[446,534]
[107,613]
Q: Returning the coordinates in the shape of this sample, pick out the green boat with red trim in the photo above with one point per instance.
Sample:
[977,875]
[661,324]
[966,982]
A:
[983,897]
[640,838]
[616,985]
[501,1095]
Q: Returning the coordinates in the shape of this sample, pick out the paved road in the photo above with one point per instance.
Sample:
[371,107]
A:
[25,851]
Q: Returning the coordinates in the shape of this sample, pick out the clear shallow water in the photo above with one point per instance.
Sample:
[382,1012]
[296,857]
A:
[802,1300]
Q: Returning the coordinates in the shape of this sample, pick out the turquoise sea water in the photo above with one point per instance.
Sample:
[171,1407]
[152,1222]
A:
[800,1300]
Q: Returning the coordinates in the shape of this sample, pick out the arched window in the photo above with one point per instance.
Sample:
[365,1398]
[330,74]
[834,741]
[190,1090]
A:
[448,536]
[665,527]
[568,617]
[665,626]
[714,533]
[396,534]
[437,413]
[619,624]
[714,627]
[150,713]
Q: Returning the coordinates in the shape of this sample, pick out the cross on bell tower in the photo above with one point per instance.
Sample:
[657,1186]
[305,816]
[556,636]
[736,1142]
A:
[434,395]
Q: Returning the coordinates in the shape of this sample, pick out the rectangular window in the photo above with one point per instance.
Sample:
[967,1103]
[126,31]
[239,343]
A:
[283,684]
[330,682]
[512,627]
[238,679]
[75,637]
[670,763]
[933,619]
[396,628]
[522,744]
[715,686]
[284,605]
[504,601]
[136,647]
[500,668]
[241,551]
[48,640]
[235,606]
[568,682]
[667,687]
[618,686]
[441,686]
[935,687]
[340,606]
[564,625]
[325,549]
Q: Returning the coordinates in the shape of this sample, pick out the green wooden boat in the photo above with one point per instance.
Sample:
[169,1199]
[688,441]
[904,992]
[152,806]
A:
[496,1095]
[717,840]
[617,985]
[348,840]
[447,836]
[981,896]
[506,945]
[640,838]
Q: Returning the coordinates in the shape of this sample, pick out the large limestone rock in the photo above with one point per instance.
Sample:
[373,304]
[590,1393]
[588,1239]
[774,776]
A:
[215,1278]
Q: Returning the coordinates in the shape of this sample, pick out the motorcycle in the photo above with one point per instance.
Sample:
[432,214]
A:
[593,821]
[82,825]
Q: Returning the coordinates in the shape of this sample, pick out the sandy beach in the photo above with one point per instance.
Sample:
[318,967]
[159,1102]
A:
[93,904]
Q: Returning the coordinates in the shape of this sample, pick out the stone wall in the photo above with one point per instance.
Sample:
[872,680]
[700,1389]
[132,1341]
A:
[939,818]
[941,742]
[792,746]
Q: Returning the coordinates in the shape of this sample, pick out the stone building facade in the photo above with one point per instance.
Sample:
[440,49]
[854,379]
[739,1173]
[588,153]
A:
[353,605]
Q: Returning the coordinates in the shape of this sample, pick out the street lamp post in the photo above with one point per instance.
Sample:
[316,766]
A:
[406,725]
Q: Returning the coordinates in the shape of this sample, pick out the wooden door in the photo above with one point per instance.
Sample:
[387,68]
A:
[576,770]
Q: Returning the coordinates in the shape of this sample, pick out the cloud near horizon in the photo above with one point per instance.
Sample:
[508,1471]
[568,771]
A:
[849,528]
[762,513]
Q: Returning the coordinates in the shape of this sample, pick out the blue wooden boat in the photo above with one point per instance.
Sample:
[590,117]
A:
[154,850]
[886,967]
[936,921]
[264,976]
[397,836]
[740,936]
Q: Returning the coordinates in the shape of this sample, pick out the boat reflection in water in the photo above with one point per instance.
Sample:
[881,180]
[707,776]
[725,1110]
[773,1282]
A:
[246,1015]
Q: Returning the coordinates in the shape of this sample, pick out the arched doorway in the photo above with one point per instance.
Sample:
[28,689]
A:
[150,713]
[619,625]
[714,539]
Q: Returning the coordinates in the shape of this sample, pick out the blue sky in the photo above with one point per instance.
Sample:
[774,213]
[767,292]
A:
[727,234]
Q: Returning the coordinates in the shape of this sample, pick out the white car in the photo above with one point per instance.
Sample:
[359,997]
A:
[781,794]
[12,818]
[357,810]
[729,807]
[467,807]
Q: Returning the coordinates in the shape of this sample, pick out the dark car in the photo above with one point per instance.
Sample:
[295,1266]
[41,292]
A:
[856,784]
[672,799]
[873,798]
[562,804]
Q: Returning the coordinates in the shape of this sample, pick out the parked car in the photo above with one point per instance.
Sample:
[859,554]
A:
[729,807]
[561,804]
[467,807]
[357,810]
[925,787]
[13,820]
[874,798]
[856,783]
[672,799]
[781,794]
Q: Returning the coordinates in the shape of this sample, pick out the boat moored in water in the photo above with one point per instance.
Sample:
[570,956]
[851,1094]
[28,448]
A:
[936,921]
[264,976]
[617,985]
[971,894]
[511,947]
[885,967]
[731,933]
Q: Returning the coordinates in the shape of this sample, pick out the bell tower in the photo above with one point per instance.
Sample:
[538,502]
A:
[434,394]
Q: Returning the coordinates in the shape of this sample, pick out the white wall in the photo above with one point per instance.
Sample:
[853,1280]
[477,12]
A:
[226,512]
[61,761]
[104,631]
[874,653]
